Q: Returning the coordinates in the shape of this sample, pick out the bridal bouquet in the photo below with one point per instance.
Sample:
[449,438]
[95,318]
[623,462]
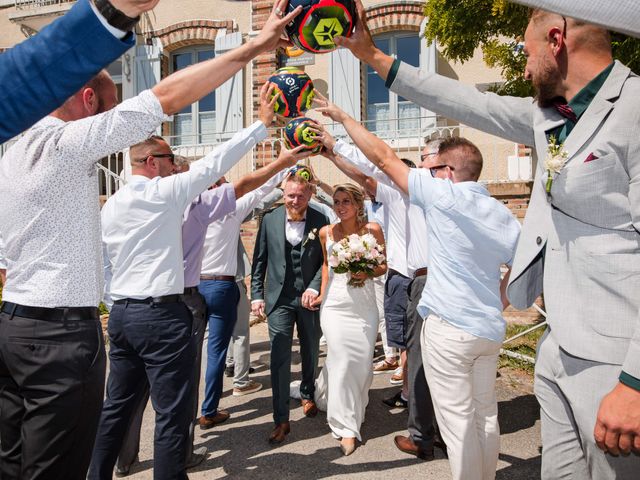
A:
[356,254]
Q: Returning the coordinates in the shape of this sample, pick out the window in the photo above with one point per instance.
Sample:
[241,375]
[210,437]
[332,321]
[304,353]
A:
[387,113]
[195,123]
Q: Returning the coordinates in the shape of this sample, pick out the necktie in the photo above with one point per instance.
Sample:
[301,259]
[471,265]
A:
[566,111]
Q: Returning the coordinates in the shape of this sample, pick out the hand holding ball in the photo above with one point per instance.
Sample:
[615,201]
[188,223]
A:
[299,132]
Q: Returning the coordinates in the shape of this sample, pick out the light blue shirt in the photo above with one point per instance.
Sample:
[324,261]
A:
[470,236]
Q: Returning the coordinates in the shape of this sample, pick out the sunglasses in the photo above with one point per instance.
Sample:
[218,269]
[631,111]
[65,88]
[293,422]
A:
[435,169]
[170,156]
[424,156]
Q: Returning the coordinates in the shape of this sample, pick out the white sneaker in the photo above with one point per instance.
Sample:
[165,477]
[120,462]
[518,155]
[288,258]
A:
[251,387]
[396,378]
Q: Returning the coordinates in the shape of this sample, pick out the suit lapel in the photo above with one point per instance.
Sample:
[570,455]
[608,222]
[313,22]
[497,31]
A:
[598,110]
[307,228]
[280,224]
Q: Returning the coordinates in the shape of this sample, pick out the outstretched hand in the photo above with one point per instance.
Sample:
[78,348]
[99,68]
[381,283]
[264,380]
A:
[266,112]
[324,137]
[360,42]
[293,156]
[329,109]
[271,35]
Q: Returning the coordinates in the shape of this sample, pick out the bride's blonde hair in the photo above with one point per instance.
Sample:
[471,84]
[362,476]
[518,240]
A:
[356,194]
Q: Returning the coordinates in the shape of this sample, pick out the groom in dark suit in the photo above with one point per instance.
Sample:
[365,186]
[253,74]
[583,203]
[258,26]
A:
[289,254]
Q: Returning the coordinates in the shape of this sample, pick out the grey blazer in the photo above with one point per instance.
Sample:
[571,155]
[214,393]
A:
[269,256]
[580,245]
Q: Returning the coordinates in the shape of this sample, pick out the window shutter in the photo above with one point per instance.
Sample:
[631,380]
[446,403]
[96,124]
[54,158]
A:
[345,81]
[428,62]
[229,94]
[147,63]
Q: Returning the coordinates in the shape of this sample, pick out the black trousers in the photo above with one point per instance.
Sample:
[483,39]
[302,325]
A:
[51,389]
[154,343]
[421,422]
[131,443]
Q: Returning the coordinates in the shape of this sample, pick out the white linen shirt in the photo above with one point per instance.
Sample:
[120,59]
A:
[141,223]
[221,242]
[3,261]
[471,235]
[49,208]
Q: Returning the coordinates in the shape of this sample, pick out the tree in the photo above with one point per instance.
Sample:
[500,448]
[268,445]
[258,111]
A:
[497,27]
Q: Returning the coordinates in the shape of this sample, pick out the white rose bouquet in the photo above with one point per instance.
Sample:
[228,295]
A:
[356,254]
[556,158]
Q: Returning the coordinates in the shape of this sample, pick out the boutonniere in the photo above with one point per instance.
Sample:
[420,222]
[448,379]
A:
[555,161]
[313,234]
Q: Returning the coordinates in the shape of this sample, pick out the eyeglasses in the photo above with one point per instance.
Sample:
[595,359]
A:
[435,169]
[424,156]
[170,156]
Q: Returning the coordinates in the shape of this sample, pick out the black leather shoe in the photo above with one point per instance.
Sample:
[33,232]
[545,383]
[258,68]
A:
[396,401]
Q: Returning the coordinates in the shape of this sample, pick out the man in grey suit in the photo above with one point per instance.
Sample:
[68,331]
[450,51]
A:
[580,243]
[289,256]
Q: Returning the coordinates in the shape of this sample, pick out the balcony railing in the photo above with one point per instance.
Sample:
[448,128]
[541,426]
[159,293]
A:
[33,4]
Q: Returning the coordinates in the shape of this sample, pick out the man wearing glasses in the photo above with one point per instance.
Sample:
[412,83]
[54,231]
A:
[580,244]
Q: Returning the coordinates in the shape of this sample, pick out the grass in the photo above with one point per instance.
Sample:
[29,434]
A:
[525,345]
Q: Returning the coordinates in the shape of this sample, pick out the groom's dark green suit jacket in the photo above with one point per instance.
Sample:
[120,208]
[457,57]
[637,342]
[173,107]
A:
[269,256]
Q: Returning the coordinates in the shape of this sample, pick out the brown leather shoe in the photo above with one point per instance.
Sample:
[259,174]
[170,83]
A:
[406,445]
[279,433]
[309,408]
[209,422]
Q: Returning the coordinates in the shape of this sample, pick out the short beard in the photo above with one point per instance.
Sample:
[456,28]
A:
[545,83]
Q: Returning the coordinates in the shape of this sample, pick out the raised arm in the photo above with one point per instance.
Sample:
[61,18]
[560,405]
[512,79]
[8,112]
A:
[185,86]
[373,148]
[368,183]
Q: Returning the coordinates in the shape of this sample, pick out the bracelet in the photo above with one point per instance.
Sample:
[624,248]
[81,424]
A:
[115,17]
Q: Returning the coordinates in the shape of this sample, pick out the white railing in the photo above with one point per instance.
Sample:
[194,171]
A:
[32,4]
[407,142]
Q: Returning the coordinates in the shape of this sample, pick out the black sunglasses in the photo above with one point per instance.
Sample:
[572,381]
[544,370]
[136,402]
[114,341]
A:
[424,156]
[435,168]
[170,156]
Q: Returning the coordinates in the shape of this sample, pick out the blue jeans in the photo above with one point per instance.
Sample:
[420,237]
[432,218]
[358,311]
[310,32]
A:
[222,308]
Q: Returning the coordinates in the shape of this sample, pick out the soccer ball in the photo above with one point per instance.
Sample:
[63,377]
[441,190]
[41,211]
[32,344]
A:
[320,20]
[297,133]
[295,89]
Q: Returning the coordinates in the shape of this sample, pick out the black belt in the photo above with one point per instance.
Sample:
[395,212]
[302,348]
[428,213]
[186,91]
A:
[221,278]
[57,314]
[150,300]
[191,290]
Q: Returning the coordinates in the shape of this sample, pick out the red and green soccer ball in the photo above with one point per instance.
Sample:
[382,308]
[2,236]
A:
[295,90]
[321,20]
[297,132]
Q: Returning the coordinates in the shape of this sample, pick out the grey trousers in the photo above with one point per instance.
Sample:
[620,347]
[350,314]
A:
[420,422]
[569,390]
[239,353]
[131,443]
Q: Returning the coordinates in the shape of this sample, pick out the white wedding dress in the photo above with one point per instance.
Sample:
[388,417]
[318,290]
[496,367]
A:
[349,319]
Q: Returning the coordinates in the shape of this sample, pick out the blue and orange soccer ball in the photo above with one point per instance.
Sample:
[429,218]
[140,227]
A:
[296,91]
[320,20]
[297,132]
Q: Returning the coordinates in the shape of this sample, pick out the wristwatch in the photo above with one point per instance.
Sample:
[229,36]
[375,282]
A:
[115,17]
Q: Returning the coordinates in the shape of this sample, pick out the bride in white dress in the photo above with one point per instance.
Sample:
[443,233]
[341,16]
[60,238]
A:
[349,319]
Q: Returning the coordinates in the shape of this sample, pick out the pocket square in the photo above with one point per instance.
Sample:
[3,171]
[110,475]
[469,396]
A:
[591,158]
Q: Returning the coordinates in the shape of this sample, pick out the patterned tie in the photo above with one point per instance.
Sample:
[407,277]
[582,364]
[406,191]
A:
[566,111]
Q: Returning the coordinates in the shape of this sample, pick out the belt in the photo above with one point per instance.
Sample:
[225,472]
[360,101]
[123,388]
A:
[420,272]
[150,300]
[222,278]
[190,290]
[51,314]
[392,273]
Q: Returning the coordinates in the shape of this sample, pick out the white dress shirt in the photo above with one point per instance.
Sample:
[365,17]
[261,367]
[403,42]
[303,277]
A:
[3,261]
[116,32]
[403,223]
[221,242]
[141,223]
[50,213]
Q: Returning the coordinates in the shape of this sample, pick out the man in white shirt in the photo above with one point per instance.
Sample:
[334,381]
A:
[3,263]
[471,235]
[50,223]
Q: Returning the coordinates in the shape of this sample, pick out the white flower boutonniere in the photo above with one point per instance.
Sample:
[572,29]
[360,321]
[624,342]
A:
[313,234]
[555,161]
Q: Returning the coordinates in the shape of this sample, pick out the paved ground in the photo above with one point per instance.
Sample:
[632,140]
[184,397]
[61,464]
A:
[239,448]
